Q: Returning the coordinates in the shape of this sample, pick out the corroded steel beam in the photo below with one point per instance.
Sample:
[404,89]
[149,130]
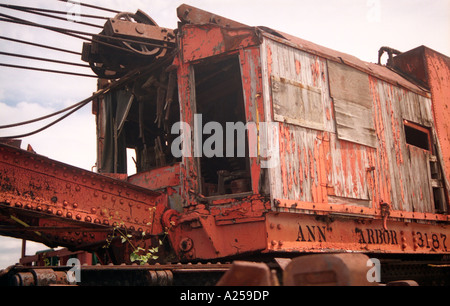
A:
[64,205]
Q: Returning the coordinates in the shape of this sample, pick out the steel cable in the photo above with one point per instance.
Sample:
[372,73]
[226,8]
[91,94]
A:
[127,78]
[52,11]
[43,117]
[90,6]
[50,124]
[39,45]
[48,70]
[76,34]
[43,59]
[31,11]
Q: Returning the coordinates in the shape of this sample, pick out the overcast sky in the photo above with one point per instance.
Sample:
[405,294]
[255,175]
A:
[357,27]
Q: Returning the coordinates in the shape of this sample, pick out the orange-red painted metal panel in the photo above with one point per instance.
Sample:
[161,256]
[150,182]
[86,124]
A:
[438,68]
[334,233]
[71,207]
[158,178]
[202,41]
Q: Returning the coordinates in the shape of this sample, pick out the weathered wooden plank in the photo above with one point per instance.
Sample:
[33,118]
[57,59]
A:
[354,123]
[349,169]
[297,103]
[366,159]
[301,161]
[417,168]
[298,66]
[415,108]
[347,83]
[300,174]
[403,170]
[352,104]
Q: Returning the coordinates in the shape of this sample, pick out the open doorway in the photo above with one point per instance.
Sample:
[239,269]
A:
[220,105]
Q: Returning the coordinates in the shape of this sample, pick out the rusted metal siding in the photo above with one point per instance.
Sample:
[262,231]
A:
[201,41]
[439,80]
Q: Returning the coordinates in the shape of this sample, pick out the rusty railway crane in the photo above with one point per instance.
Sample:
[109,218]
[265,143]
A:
[337,156]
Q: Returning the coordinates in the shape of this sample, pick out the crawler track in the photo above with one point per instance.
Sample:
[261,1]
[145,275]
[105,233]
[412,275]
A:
[424,273]
[118,275]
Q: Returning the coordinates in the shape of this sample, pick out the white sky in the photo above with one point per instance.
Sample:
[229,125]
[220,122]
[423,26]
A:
[357,27]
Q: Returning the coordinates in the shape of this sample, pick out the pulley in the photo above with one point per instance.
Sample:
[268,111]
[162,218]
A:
[125,42]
